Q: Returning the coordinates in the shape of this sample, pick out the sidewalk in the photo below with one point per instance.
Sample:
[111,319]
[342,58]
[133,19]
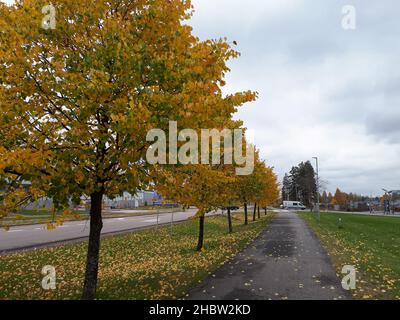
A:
[285,262]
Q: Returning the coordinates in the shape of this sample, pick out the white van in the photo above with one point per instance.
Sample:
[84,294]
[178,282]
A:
[293,205]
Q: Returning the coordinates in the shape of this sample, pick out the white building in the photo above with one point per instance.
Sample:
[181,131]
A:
[129,201]
[125,201]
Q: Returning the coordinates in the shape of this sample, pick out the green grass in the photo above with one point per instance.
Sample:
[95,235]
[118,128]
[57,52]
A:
[24,217]
[370,243]
[150,264]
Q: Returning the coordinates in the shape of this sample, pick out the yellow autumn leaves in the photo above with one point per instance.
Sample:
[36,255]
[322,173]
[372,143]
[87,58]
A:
[153,264]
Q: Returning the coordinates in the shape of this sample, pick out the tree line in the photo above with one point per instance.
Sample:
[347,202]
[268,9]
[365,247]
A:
[300,184]
[78,101]
[343,199]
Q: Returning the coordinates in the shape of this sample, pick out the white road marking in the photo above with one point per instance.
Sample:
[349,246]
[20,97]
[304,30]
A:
[15,231]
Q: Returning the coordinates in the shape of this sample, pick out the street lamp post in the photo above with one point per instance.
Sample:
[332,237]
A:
[318,211]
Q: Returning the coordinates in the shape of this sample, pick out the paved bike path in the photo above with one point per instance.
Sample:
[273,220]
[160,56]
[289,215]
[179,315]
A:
[286,262]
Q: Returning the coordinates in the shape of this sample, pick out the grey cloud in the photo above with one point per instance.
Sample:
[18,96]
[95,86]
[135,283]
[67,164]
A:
[385,127]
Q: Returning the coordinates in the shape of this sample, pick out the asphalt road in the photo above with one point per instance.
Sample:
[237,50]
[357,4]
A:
[31,236]
[285,262]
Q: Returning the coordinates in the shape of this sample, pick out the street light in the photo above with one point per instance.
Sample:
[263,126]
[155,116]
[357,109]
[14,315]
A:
[318,211]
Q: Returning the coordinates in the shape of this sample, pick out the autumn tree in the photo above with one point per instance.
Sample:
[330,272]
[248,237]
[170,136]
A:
[340,198]
[228,191]
[247,187]
[267,191]
[229,198]
[207,186]
[79,99]
[270,191]
[201,186]
[330,197]
[263,183]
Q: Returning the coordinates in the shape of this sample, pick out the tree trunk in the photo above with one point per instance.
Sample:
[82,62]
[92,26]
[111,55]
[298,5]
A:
[265,210]
[254,212]
[201,233]
[259,213]
[246,215]
[92,261]
[230,220]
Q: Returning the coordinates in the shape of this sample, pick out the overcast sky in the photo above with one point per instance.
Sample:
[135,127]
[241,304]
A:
[324,91]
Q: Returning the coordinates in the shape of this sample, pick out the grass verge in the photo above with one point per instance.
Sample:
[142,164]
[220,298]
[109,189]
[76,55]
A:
[371,244]
[150,264]
[26,217]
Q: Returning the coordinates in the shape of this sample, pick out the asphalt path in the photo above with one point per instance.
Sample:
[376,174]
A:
[34,236]
[287,262]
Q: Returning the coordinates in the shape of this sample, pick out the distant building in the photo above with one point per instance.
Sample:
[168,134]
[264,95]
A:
[125,201]
[129,201]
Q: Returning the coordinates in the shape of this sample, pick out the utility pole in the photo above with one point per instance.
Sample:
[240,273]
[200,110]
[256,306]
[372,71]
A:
[318,211]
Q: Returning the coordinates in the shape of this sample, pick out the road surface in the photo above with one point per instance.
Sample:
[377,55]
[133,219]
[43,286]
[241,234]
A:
[32,236]
[285,262]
